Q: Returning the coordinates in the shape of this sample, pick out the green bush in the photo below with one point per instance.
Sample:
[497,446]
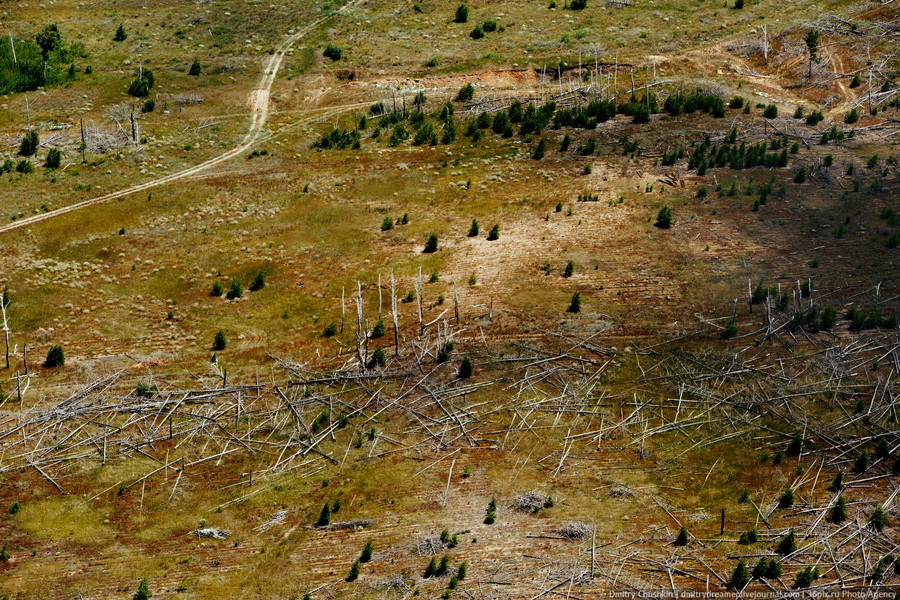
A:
[379,329]
[149,105]
[682,538]
[800,176]
[353,575]
[837,484]
[219,341]
[55,357]
[787,544]
[795,446]
[862,462]
[540,150]
[24,166]
[144,390]
[786,500]
[878,520]
[748,537]
[259,281]
[332,52]
[465,368]
[431,244]
[491,514]
[236,290]
[575,304]
[730,330]
[14,507]
[838,512]
[54,157]
[740,577]
[461,571]
[430,569]
[217,289]
[329,330]
[473,229]
[324,516]
[142,83]
[143,591]
[195,69]
[465,93]
[770,112]
[29,144]
[569,270]
[851,117]
[805,577]
[120,35]
[477,33]
[462,14]
[665,218]
[387,224]
[494,233]
[367,552]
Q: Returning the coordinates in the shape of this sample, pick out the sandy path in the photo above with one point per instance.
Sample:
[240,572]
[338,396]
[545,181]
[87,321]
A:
[259,110]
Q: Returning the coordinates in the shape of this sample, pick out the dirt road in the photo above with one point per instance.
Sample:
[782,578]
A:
[259,110]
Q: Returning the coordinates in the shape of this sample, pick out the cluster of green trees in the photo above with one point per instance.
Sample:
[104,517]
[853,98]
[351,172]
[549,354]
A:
[26,65]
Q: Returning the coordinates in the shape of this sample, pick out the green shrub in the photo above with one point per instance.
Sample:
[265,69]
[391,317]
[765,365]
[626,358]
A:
[770,112]
[787,544]
[540,150]
[682,538]
[489,26]
[578,4]
[329,330]
[379,329]
[29,144]
[461,571]
[851,117]
[878,520]
[774,569]
[324,516]
[145,390]
[465,93]
[744,496]
[378,358]
[730,330]
[142,83]
[665,218]
[195,69]
[465,368]
[786,500]
[217,289]
[838,512]
[236,290]
[800,176]
[575,303]
[795,446]
[443,566]
[367,552]
[805,577]
[430,569]
[149,105]
[55,357]
[14,507]
[740,577]
[120,35]
[494,233]
[473,229]
[837,484]
[332,52]
[143,591]
[748,537]
[54,157]
[353,575]
[219,341]
[862,462]
[25,166]
[387,224]
[569,270]
[462,14]
[259,281]
[491,514]
[431,244]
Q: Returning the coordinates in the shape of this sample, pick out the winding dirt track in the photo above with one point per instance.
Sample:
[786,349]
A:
[259,110]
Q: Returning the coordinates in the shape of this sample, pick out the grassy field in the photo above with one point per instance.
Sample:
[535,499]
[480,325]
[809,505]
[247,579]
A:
[125,286]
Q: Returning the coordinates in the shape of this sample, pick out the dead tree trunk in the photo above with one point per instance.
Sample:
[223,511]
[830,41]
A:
[455,304]
[5,329]
[359,325]
[394,314]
